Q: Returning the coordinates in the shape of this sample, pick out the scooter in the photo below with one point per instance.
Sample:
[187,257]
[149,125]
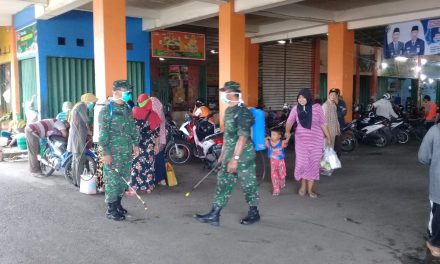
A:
[55,158]
[182,144]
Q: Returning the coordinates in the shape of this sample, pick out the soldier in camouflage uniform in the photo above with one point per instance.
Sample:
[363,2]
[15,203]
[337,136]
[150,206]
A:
[119,139]
[237,158]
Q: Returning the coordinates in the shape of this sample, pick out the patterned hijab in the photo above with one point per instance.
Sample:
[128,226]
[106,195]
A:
[305,112]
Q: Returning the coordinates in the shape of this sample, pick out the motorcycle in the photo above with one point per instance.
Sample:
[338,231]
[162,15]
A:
[398,131]
[56,157]
[181,146]
[372,130]
[348,138]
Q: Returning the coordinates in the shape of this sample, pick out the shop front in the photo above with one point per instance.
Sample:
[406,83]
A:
[181,71]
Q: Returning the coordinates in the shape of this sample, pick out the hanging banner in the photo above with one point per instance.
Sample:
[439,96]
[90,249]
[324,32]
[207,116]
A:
[180,45]
[419,37]
[27,42]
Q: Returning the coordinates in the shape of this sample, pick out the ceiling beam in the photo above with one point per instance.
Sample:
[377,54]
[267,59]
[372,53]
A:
[142,12]
[182,14]
[41,2]
[299,12]
[58,7]
[318,30]
[216,2]
[214,24]
[5,20]
[283,27]
[379,21]
[249,6]
[386,9]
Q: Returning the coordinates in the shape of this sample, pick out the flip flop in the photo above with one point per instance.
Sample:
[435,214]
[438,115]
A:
[313,195]
[435,251]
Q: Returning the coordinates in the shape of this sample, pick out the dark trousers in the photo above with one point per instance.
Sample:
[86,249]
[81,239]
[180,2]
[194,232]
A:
[434,225]
[78,164]
[33,145]
[159,166]
[338,149]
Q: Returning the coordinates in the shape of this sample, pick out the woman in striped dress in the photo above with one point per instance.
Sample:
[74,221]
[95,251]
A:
[309,140]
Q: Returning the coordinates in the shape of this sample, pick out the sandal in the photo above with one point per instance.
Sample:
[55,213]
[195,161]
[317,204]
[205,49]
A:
[313,195]
[435,251]
[301,192]
[276,193]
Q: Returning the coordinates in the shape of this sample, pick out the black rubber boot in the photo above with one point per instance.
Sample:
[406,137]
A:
[121,210]
[112,212]
[212,218]
[252,217]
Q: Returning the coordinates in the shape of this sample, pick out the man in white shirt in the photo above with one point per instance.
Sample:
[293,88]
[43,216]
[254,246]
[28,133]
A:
[384,107]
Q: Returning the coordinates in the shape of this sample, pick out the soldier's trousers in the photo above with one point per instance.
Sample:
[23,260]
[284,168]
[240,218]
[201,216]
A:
[114,184]
[226,182]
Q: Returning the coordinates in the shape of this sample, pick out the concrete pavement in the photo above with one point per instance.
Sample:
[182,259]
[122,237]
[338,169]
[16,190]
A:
[373,210]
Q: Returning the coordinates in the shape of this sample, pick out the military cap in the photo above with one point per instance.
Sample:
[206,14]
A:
[396,30]
[122,85]
[231,85]
[414,28]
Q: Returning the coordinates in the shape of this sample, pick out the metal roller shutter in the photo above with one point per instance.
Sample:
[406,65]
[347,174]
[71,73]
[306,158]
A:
[286,69]
[136,77]
[67,80]
[28,81]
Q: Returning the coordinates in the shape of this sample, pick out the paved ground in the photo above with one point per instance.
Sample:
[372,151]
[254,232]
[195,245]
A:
[374,210]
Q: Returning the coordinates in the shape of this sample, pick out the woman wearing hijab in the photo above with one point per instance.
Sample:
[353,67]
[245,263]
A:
[309,138]
[147,124]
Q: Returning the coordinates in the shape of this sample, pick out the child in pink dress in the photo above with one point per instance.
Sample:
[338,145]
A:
[275,147]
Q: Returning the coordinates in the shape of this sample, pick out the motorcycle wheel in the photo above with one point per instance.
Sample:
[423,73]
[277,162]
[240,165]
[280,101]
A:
[402,137]
[179,153]
[348,142]
[212,156]
[381,140]
[46,170]
[90,165]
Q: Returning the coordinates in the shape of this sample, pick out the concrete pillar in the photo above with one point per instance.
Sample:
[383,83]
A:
[341,62]
[250,91]
[232,55]
[110,44]
[15,82]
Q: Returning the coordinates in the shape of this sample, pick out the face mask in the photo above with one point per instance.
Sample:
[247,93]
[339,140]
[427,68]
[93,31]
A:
[126,96]
[225,99]
[90,106]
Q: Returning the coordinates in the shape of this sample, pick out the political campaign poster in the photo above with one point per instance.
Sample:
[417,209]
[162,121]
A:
[419,37]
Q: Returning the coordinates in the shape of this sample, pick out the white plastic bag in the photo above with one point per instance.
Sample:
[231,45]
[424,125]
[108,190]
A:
[329,162]
[88,183]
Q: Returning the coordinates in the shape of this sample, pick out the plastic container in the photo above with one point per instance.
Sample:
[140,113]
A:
[21,143]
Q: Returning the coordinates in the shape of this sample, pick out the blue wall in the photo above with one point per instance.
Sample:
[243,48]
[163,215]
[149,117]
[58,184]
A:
[24,17]
[79,25]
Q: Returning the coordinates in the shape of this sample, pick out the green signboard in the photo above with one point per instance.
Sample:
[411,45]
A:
[27,42]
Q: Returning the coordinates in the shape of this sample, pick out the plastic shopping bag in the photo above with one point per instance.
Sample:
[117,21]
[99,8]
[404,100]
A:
[87,183]
[329,162]
[171,176]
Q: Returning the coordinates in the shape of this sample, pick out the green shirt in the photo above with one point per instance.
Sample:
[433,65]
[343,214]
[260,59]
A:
[238,121]
[117,133]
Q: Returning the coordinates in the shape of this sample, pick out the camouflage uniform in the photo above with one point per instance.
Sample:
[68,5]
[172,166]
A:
[117,136]
[238,121]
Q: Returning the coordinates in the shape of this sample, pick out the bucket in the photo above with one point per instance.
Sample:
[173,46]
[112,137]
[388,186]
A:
[21,143]
[87,183]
